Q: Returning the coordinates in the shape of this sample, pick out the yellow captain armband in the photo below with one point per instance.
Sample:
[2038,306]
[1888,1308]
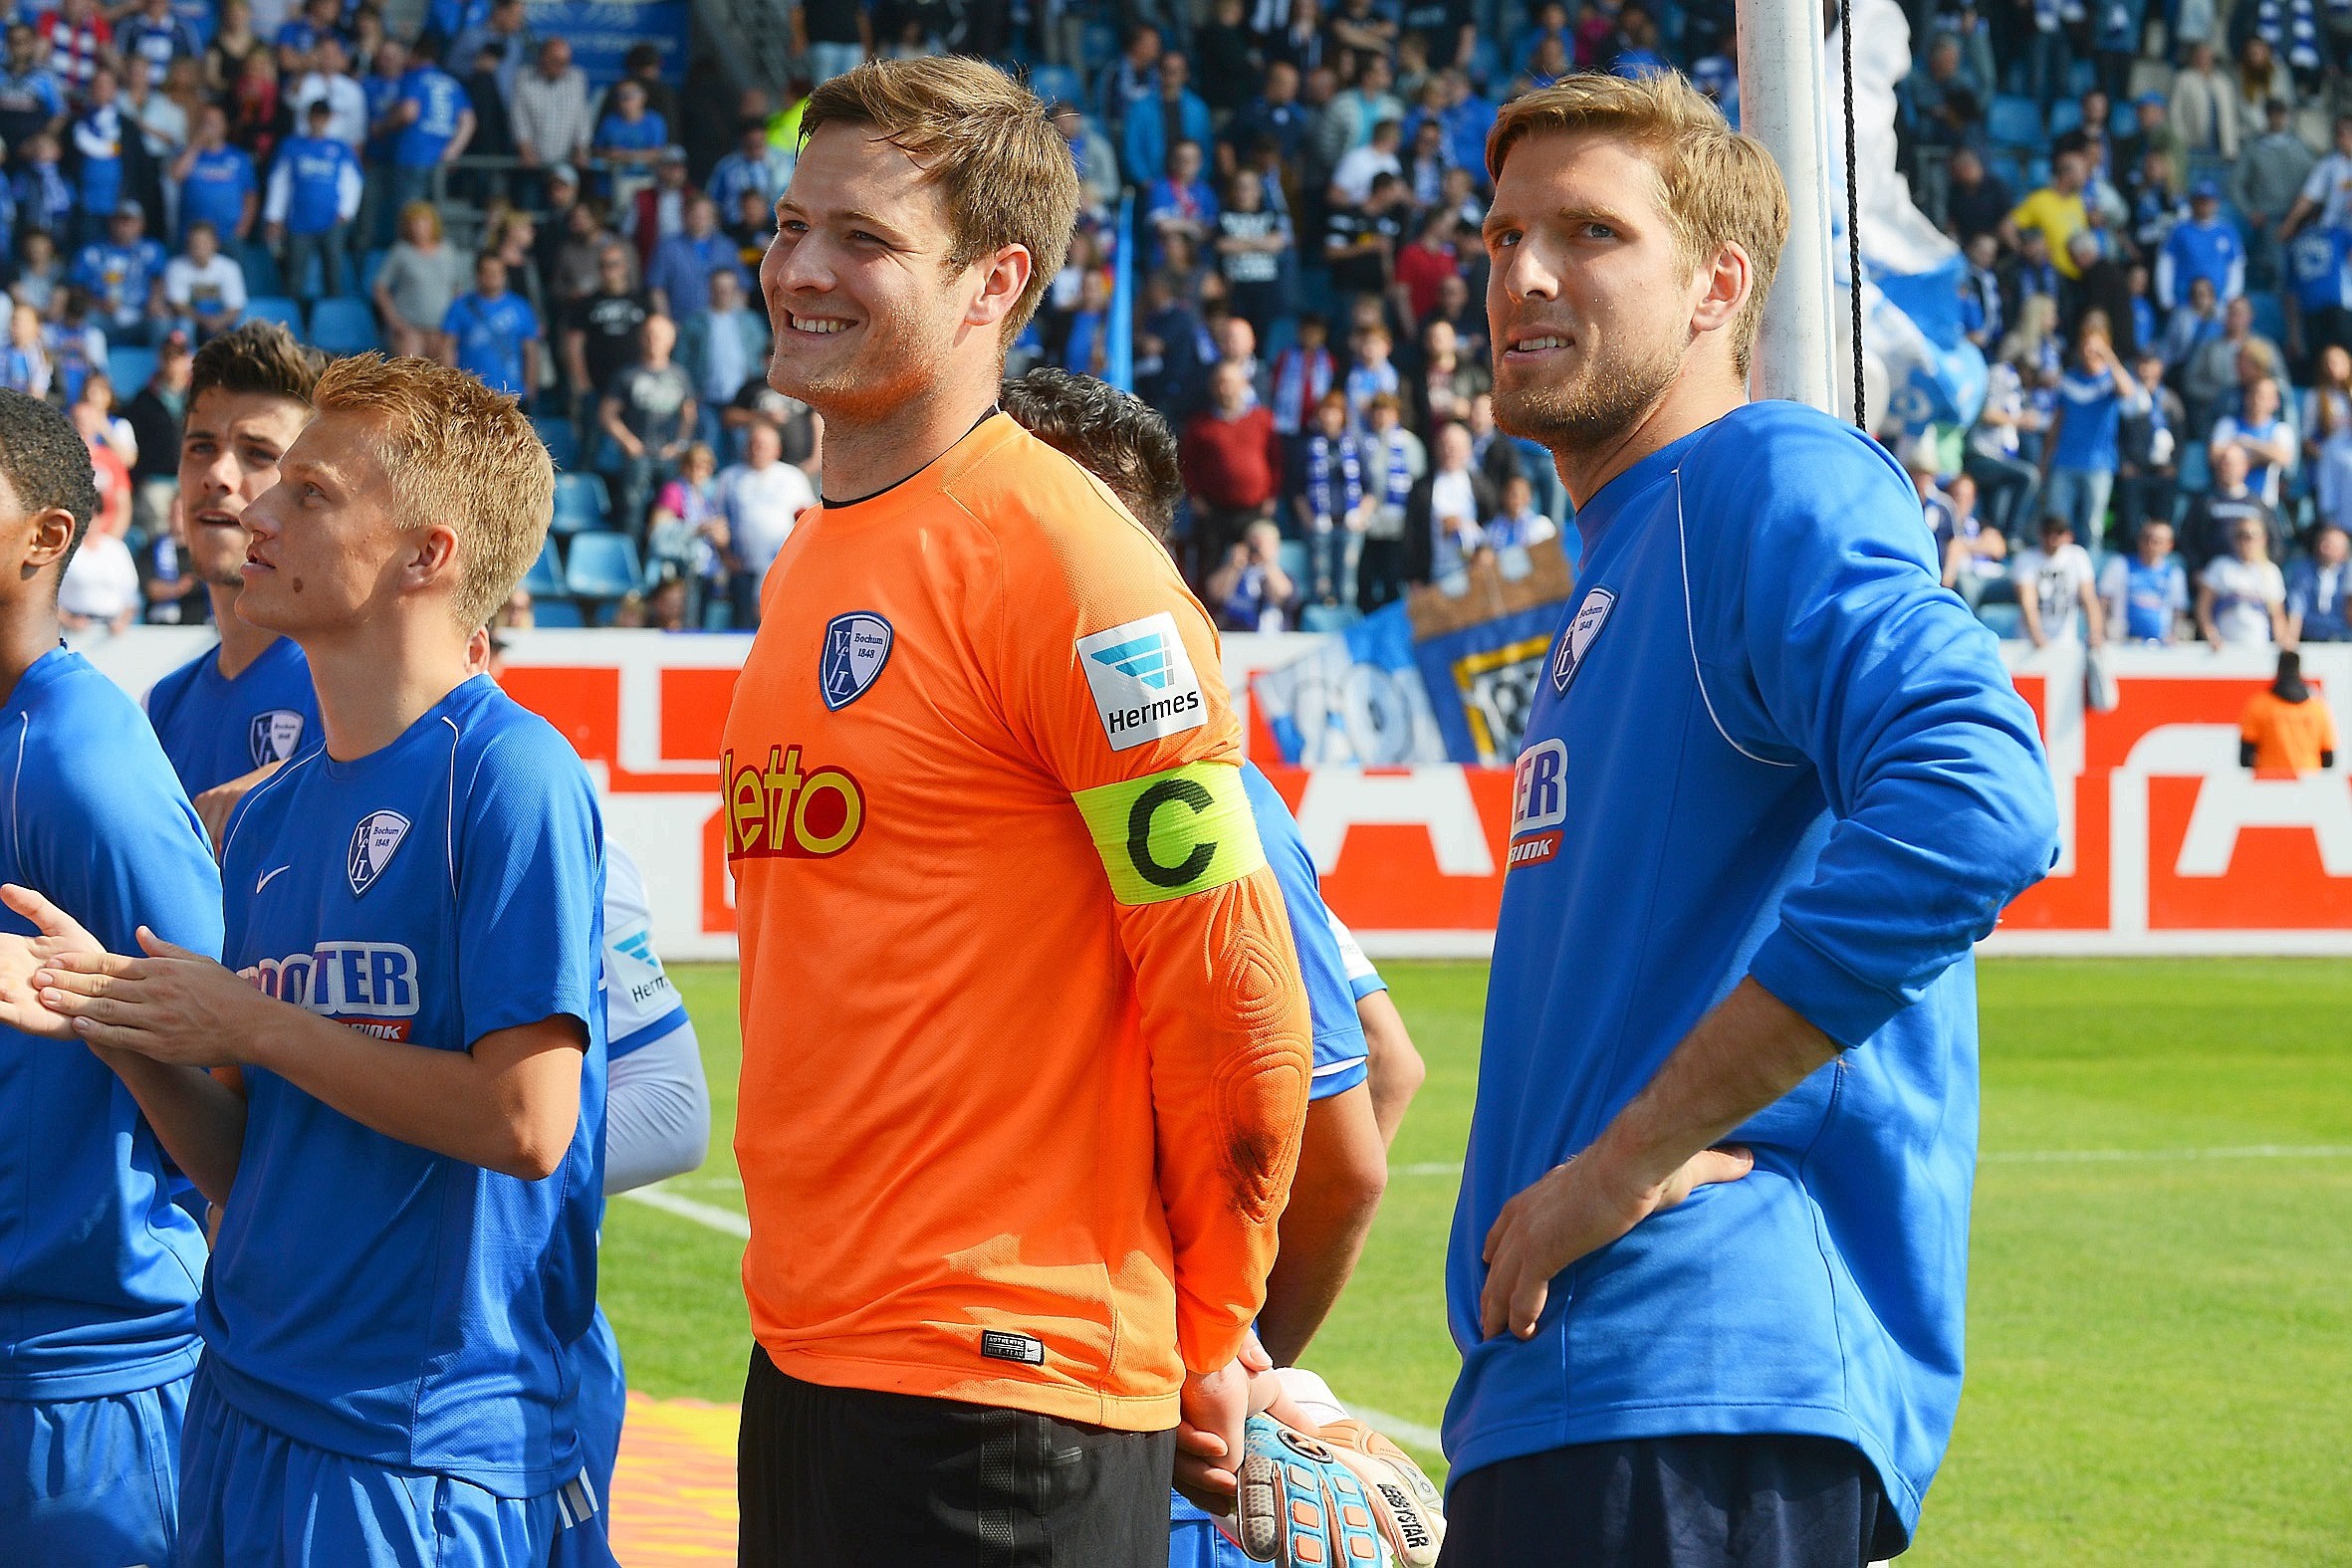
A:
[1173,834]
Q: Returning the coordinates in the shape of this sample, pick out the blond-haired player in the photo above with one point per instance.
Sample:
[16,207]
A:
[402,1127]
[1025,1045]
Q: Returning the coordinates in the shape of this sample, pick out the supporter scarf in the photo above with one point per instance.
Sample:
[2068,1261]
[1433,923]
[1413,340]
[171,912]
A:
[1399,485]
[1300,378]
[1330,460]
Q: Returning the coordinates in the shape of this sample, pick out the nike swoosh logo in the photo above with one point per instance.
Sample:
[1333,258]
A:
[267,876]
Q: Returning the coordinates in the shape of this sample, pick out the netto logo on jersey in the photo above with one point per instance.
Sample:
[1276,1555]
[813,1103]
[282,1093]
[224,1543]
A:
[372,986]
[778,810]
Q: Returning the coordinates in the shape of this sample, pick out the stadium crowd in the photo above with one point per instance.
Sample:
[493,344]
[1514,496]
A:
[2156,212]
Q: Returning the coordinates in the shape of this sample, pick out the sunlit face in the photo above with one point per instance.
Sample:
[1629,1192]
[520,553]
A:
[2156,541]
[1589,300]
[864,302]
[326,545]
[228,455]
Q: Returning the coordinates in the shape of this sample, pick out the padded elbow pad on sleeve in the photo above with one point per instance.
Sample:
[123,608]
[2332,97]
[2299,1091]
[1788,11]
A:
[1261,1088]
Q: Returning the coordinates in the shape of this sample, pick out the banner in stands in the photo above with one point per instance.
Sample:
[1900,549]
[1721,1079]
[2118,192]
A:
[2169,845]
[601,31]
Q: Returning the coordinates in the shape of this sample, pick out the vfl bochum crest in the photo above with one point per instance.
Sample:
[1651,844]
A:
[856,646]
[372,843]
[1576,640]
[274,735]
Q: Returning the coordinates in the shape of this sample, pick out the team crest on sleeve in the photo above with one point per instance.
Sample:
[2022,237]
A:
[1142,681]
[1576,640]
[274,736]
[373,844]
[856,646]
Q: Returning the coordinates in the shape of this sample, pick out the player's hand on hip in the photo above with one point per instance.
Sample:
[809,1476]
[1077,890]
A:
[172,1006]
[1215,1406]
[1574,1209]
[57,934]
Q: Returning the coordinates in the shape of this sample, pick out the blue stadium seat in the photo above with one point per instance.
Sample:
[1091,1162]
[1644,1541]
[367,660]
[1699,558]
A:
[2004,620]
[2064,117]
[1058,81]
[602,567]
[2196,475]
[2124,121]
[581,502]
[2013,121]
[261,268]
[370,264]
[1329,618]
[274,307]
[561,439]
[345,325]
[129,370]
[545,580]
[556,614]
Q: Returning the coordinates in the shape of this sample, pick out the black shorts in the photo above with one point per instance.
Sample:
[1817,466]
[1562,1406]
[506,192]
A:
[1674,1502]
[831,1478]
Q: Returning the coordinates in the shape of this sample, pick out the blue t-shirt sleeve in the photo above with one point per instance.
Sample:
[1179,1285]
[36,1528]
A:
[1854,662]
[530,872]
[120,847]
[1338,1036]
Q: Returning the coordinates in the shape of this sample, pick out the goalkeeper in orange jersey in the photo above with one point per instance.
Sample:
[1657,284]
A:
[1025,1053]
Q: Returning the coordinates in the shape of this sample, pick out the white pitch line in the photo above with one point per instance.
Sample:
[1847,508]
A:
[1428,1168]
[1409,1432]
[721,1220]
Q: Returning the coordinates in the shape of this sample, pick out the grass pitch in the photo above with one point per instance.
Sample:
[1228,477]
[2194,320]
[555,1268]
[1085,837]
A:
[2160,1333]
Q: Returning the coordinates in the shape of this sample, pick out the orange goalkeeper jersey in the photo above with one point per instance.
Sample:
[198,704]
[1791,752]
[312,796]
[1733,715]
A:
[1025,1053]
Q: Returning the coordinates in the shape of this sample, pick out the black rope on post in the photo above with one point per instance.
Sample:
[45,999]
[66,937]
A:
[1845,36]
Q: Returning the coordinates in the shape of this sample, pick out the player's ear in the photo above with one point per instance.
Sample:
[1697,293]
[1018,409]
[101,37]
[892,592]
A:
[49,538]
[1002,278]
[1723,285]
[432,556]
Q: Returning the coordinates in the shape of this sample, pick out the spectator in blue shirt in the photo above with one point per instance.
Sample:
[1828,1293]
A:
[158,36]
[2206,245]
[2146,591]
[300,34]
[631,137]
[434,122]
[680,277]
[2267,438]
[2078,459]
[99,153]
[44,199]
[124,274]
[32,100]
[313,195]
[2317,587]
[217,184]
[756,164]
[493,333]
[1175,114]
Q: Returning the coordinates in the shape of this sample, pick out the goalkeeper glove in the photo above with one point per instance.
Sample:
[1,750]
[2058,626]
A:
[1406,1505]
[1299,1505]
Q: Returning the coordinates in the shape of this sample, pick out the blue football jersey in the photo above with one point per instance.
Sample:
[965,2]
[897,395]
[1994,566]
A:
[369,1296]
[214,728]
[1331,1001]
[98,1270]
[1362,977]
[1767,743]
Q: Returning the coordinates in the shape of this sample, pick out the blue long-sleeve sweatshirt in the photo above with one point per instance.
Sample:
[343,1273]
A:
[1767,744]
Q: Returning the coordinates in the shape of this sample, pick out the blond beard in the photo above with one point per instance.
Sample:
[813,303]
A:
[1592,409]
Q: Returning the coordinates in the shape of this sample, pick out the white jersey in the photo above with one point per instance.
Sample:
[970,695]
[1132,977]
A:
[641,1003]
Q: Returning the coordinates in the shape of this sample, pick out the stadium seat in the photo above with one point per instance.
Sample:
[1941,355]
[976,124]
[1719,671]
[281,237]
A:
[261,268]
[274,307]
[555,614]
[2064,117]
[545,580]
[2005,620]
[561,439]
[129,371]
[2015,122]
[370,264]
[345,325]
[1293,559]
[1056,82]
[581,502]
[2124,121]
[600,566]
[2196,475]
[1324,618]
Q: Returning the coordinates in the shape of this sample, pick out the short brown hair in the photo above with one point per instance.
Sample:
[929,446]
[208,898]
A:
[455,452]
[1116,436]
[985,140]
[1716,187]
[257,358]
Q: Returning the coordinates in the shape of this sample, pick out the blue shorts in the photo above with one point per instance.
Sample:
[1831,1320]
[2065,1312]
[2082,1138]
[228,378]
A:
[604,1393]
[1194,1543]
[251,1495]
[92,1480]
